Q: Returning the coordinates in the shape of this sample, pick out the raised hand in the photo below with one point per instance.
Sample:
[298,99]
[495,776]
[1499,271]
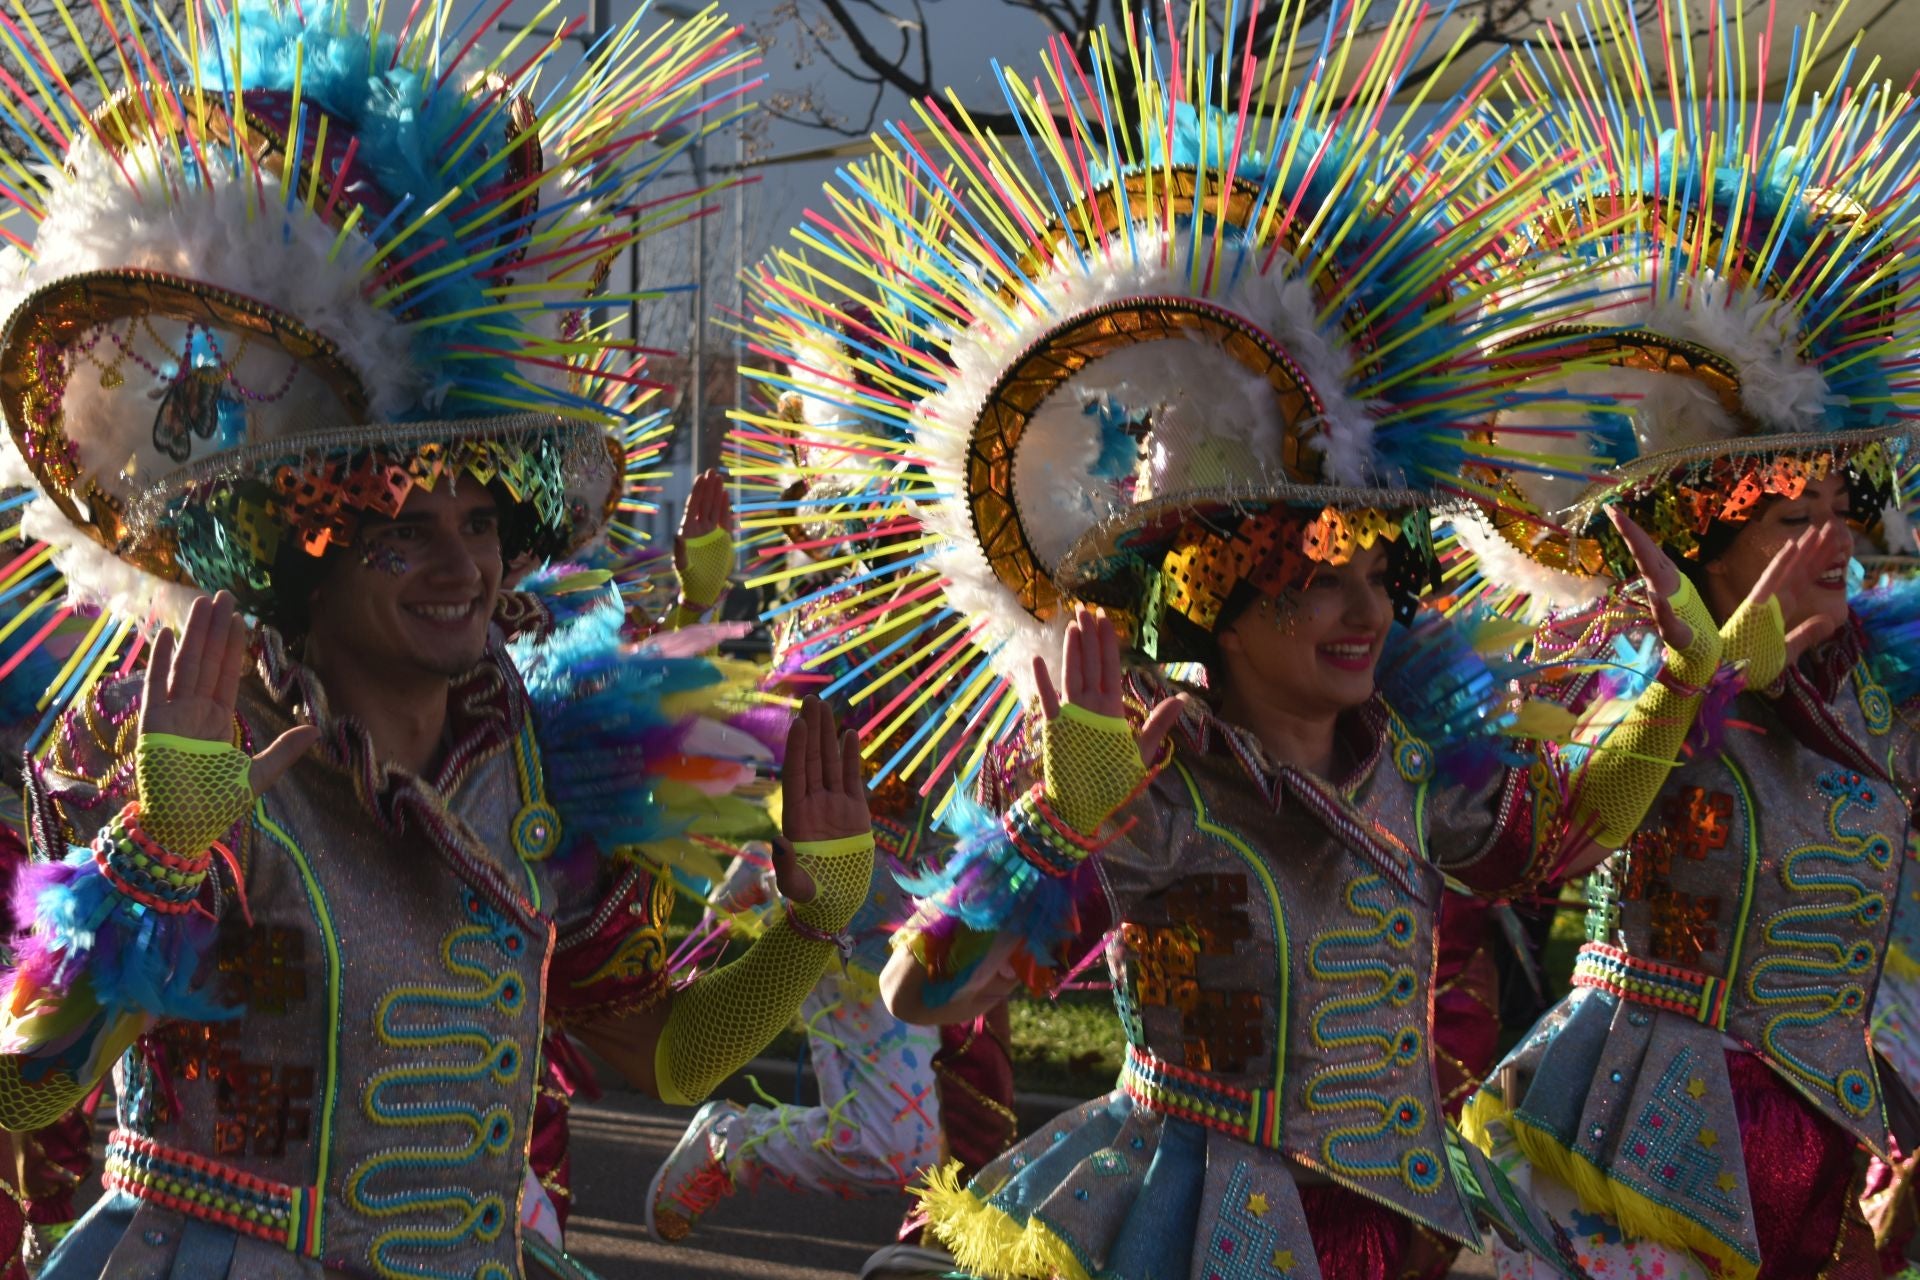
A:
[1662,576]
[703,551]
[709,507]
[1790,577]
[823,792]
[193,683]
[1090,664]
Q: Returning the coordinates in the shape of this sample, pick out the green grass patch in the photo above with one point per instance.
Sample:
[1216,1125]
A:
[1569,931]
[1071,1046]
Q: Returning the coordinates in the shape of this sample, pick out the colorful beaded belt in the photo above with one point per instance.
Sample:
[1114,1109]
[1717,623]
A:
[1699,996]
[1252,1115]
[213,1192]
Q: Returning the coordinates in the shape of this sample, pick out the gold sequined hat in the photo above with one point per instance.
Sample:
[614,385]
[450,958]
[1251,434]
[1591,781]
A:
[1748,328]
[319,267]
[1140,318]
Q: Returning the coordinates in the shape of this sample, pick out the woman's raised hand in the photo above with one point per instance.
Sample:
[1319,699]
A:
[1090,663]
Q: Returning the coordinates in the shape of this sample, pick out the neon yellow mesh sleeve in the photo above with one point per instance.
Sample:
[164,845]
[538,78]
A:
[1755,637]
[1621,779]
[111,926]
[709,565]
[107,956]
[191,791]
[717,1024]
[1092,766]
[33,1099]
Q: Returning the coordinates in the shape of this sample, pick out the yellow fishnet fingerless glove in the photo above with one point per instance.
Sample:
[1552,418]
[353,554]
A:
[1092,765]
[1756,637]
[716,1025]
[1621,780]
[33,1098]
[709,565]
[191,791]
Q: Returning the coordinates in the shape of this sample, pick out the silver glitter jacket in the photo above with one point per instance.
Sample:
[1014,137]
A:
[402,943]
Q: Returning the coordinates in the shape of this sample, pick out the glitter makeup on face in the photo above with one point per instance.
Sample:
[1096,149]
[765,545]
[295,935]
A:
[385,560]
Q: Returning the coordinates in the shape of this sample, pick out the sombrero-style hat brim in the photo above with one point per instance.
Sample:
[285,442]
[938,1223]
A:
[304,478]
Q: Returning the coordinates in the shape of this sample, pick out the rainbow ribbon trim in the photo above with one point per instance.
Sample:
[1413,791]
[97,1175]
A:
[1252,1115]
[1696,995]
[213,1192]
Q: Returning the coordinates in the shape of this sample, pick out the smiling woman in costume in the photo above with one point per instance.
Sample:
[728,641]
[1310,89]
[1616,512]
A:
[1210,377]
[302,338]
[1703,1101]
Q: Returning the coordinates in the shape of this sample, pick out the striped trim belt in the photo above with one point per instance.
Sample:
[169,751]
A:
[1696,995]
[213,1192]
[1252,1115]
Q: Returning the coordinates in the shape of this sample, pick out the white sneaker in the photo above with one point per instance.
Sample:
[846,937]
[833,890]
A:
[694,1177]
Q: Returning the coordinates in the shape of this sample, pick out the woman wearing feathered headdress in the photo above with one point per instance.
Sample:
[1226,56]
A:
[1207,372]
[1704,1099]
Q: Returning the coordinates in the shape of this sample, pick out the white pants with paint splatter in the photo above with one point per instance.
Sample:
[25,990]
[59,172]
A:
[878,1122]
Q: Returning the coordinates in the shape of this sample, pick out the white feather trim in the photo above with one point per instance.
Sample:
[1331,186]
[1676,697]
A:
[1758,336]
[94,222]
[1547,589]
[1898,533]
[1664,411]
[1758,339]
[1743,326]
[99,579]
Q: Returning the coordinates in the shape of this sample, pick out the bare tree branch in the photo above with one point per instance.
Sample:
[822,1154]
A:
[845,40]
[96,44]
[926,46]
[846,35]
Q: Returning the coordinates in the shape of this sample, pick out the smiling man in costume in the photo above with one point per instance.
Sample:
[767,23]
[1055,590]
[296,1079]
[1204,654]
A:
[303,341]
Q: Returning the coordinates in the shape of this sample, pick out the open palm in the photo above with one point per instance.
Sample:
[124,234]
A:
[193,684]
[823,792]
[1790,577]
[1094,677]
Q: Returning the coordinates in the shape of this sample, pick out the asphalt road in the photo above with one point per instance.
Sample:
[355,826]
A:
[621,1140]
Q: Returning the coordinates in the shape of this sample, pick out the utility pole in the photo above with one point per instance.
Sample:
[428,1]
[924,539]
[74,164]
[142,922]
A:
[600,22]
[702,447]
[739,303]
[703,453]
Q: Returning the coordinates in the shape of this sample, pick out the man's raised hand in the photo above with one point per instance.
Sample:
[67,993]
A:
[193,684]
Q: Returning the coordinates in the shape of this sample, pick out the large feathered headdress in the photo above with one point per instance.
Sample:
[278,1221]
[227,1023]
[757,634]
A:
[293,267]
[1203,318]
[1753,320]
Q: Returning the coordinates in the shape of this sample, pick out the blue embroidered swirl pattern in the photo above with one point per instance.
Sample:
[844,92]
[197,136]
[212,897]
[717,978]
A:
[1371,1040]
[1817,964]
[440,1021]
